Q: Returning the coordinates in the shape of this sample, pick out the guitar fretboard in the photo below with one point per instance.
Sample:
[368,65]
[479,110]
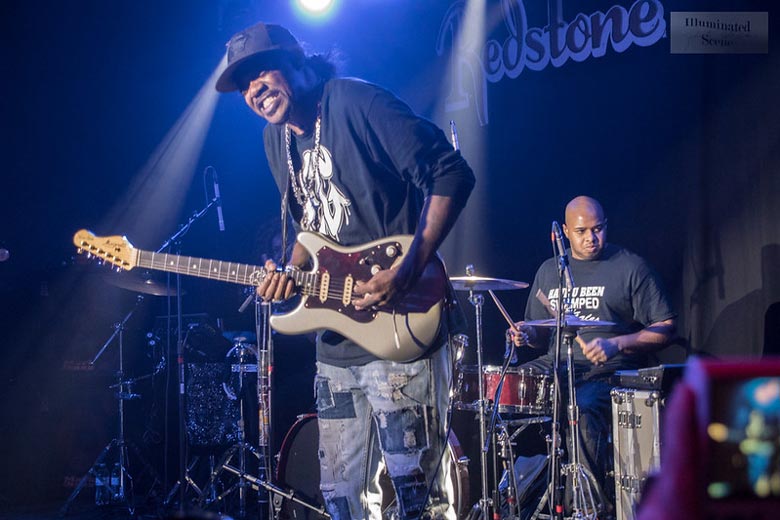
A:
[243,274]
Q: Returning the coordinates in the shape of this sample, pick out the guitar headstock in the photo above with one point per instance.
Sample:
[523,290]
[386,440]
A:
[116,250]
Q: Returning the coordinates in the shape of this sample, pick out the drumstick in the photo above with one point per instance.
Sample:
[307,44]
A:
[545,302]
[503,312]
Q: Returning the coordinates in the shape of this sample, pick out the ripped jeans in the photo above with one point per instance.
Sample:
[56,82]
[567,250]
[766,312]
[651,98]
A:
[404,407]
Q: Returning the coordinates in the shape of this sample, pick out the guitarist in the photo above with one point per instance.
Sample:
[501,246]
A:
[355,164]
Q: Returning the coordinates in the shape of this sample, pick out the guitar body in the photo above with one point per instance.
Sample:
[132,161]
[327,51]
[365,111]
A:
[402,335]
[399,333]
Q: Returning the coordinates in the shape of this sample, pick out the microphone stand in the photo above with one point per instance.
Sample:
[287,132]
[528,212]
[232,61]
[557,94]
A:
[123,492]
[556,489]
[265,366]
[583,504]
[184,480]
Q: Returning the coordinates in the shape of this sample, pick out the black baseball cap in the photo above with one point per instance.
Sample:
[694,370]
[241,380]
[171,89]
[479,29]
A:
[259,47]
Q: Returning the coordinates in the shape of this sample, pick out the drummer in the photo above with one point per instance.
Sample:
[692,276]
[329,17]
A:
[610,284]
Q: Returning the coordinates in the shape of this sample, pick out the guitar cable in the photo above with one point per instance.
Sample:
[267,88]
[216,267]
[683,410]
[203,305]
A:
[396,337]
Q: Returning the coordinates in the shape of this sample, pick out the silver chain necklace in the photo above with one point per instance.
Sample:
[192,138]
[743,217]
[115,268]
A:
[303,188]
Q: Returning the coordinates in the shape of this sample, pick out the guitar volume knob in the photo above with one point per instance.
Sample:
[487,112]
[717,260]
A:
[375,269]
[391,251]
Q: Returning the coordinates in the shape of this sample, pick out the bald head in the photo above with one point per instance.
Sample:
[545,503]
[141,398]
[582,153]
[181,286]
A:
[585,227]
[583,204]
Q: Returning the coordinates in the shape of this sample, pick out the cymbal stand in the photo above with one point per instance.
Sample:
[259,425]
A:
[477,300]
[583,503]
[124,392]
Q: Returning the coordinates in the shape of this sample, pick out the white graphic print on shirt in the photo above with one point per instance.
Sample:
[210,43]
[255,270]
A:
[327,208]
[585,301]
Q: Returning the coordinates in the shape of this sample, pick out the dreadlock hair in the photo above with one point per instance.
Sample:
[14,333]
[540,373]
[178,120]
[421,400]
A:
[324,65]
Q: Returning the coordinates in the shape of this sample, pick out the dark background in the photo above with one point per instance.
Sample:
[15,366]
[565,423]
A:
[683,151]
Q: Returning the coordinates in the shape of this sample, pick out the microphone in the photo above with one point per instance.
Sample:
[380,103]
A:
[217,197]
[5,254]
[557,240]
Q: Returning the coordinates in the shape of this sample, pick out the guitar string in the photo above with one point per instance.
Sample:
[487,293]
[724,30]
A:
[335,288]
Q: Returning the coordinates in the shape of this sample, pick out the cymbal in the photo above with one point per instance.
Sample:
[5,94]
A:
[570,321]
[483,283]
[141,283]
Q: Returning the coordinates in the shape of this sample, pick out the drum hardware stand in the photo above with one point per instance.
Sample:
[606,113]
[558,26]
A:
[509,355]
[240,449]
[505,442]
[124,492]
[584,505]
[260,483]
[279,494]
[477,300]
[189,482]
[473,284]
[490,436]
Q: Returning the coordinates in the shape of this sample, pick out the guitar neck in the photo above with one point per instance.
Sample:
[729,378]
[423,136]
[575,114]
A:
[232,272]
[242,274]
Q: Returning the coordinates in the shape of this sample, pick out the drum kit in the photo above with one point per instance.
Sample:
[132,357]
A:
[506,400]
[524,396]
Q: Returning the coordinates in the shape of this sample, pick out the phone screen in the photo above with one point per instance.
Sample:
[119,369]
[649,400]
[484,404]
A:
[743,436]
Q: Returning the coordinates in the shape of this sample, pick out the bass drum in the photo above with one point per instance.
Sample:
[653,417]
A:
[299,471]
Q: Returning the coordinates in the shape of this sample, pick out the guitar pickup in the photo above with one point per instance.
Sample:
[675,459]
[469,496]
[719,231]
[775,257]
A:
[346,296]
[324,286]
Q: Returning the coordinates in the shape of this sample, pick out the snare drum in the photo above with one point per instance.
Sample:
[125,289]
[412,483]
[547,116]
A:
[525,390]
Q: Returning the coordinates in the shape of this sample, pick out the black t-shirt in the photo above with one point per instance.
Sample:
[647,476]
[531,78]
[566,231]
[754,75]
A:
[619,287]
[378,161]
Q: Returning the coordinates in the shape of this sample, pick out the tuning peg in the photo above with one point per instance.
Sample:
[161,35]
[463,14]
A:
[79,251]
[89,255]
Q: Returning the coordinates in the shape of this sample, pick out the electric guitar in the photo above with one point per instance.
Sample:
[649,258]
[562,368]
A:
[399,333]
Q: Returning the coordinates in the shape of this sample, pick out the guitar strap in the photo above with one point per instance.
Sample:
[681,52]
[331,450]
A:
[283,216]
